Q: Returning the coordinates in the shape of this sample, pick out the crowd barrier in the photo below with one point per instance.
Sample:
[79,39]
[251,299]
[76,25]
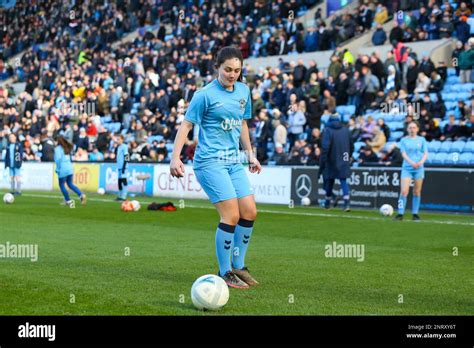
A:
[444,189]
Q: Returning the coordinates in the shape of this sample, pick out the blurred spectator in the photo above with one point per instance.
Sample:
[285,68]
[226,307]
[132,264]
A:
[378,140]
[367,156]
[379,36]
[392,156]
[450,130]
[466,61]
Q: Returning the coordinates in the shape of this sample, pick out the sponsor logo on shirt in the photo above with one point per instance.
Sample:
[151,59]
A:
[229,124]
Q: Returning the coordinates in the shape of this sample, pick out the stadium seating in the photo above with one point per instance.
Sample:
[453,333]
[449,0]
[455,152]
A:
[433,146]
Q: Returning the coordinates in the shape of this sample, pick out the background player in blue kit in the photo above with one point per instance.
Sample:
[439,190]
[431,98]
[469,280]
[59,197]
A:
[414,150]
[221,109]
[122,156]
[65,171]
[13,160]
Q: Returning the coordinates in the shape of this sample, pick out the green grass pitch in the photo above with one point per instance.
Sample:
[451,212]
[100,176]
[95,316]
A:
[82,257]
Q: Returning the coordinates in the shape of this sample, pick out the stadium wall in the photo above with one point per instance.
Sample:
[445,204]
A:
[357,46]
[445,189]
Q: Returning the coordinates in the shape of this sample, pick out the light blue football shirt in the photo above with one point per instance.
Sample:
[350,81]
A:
[122,159]
[63,162]
[219,114]
[12,155]
[414,148]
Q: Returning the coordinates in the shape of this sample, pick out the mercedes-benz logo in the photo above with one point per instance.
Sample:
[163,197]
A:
[303,186]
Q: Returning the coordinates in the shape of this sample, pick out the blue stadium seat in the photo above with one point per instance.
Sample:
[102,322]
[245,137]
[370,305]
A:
[434,97]
[358,145]
[355,155]
[439,158]
[398,117]
[467,87]
[400,125]
[463,96]
[350,109]
[452,158]
[469,147]
[451,72]
[447,88]
[433,146]
[445,146]
[450,105]
[387,117]
[451,80]
[458,146]
[394,136]
[106,119]
[431,156]
[169,147]
[341,109]
[324,119]
[392,125]
[456,88]
[466,158]
[346,117]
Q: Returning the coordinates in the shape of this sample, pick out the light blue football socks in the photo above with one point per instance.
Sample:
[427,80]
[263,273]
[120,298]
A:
[243,232]
[416,204]
[224,239]
[402,203]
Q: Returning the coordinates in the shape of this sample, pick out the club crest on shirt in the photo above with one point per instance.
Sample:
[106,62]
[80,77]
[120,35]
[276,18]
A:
[242,104]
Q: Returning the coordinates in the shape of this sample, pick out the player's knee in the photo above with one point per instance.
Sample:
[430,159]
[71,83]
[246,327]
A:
[416,192]
[231,219]
[249,214]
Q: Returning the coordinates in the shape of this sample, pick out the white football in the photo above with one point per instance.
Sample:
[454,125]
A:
[305,201]
[101,191]
[386,210]
[209,292]
[136,205]
[8,198]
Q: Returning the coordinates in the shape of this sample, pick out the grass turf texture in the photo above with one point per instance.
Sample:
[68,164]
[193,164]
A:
[82,252]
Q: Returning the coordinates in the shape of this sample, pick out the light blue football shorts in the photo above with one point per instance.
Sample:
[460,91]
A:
[15,171]
[224,181]
[414,174]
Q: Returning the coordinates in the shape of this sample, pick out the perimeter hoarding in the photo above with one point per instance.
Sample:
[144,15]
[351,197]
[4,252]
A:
[370,187]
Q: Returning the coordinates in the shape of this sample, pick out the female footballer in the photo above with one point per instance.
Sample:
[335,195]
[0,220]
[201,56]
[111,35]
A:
[221,109]
[415,152]
[64,169]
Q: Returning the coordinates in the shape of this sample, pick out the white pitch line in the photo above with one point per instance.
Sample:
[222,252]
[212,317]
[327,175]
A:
[294,213]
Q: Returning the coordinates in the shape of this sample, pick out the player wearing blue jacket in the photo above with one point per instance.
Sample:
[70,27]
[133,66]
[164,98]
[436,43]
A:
[13,160]
[221,109]
[122,157]
[65,171]
[414,150]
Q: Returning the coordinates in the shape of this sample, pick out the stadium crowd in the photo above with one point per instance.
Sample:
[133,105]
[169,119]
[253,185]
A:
[85,89]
